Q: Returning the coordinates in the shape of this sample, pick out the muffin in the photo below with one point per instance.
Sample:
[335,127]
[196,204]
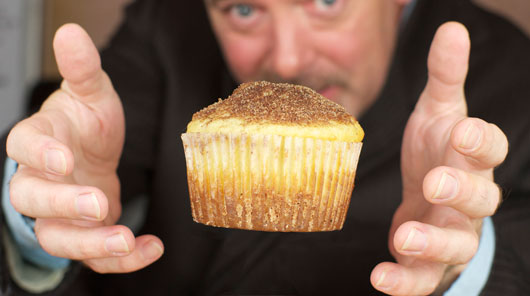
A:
[272,157]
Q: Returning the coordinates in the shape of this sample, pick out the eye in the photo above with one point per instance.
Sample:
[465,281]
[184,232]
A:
[243,16]
[242,10]
[325,8]
[324,4]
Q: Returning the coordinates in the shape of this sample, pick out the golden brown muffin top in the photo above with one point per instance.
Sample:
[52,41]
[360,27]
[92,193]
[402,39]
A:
[279,103]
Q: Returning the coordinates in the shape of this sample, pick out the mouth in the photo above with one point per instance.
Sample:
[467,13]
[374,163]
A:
[329,92]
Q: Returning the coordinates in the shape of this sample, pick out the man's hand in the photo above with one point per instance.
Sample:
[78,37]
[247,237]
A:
[68,153]
[447,166]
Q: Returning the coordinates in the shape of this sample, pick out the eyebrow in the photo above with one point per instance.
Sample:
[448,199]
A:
[217,2]
[213,2]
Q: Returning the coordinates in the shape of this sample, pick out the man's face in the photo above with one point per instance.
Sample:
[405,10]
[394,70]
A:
[340,48]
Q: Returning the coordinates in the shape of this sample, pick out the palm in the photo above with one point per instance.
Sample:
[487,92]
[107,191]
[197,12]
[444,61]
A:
[426,145]
[95,138]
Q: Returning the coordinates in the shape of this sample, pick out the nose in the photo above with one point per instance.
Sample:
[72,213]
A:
[289,49]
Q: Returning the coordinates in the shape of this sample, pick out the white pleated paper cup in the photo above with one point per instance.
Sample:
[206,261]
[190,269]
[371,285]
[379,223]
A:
[269,182]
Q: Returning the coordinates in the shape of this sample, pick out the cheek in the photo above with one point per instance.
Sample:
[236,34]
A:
[341,49]
[244,56]
[355,50]
[354,44]
[351,45]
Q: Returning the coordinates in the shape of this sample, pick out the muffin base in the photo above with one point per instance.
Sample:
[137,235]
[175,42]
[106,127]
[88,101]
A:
[269,182]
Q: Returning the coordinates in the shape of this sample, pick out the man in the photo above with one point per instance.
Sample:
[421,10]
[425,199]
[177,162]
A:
[164,65]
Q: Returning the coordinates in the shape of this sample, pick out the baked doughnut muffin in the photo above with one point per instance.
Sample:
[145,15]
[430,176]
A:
[272,157]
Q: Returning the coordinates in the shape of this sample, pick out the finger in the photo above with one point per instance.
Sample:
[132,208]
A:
[100,114]
[484,144]
[79,243]
[148,249]
[473,195]
[395,279]
[447,65]
[455,245]
[31,143]
[79,62]
[37,197]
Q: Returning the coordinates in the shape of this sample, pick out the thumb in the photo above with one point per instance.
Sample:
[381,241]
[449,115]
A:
[448,65]
[79,63]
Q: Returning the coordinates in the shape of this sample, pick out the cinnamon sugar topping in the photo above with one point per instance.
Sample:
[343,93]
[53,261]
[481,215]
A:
[280,103]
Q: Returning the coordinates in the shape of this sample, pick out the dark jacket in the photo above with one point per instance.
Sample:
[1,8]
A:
[165,64]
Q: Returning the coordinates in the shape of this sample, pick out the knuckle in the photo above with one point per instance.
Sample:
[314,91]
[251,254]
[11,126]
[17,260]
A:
[464,257]
[38,227]
[496,202]
[431,281]
[11,142]
[16,189]
[70,253]
[431,286]
[84,249]
[489,197]
[480,199]
[501,143]
[56,204]
[473,245]
[475,192]
[122,265]
[466,249]
[495,146]
[497,130]
[443,253]
[44,238]
[500,198]
[491,209]
[96,267]
[490,146]
[122,229]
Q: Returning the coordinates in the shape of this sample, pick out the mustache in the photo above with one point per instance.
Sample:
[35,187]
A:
[315,81]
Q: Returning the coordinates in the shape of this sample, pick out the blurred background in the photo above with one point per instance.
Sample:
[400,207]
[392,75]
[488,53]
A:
[27,65]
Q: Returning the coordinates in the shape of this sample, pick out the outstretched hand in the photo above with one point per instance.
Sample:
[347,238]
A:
[68,153]
[447,162]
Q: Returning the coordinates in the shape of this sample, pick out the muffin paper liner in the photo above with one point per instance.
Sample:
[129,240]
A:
[269,182]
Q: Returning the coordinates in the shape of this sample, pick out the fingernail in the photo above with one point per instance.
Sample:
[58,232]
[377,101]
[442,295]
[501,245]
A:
[386,280]
[472,137]
[152,250]
[446,188]
[415,242]
[88,206]
[116,245]
[55,161]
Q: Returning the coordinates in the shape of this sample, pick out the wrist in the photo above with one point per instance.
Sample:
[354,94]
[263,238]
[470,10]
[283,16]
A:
[21,229]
